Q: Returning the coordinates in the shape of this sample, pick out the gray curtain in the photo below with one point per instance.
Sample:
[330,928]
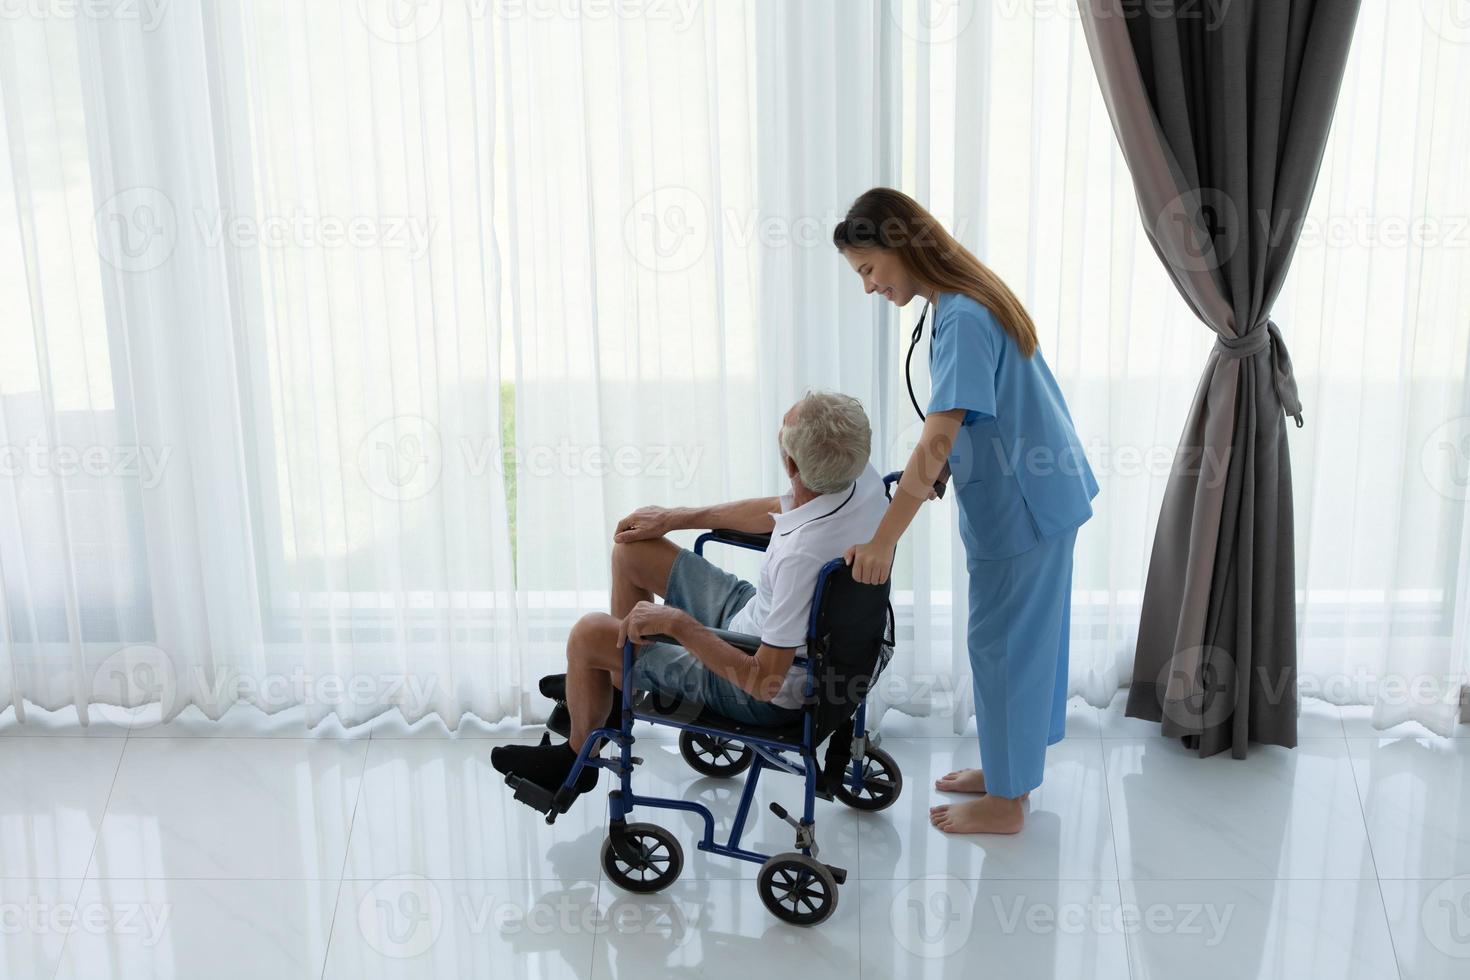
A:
[1222,109]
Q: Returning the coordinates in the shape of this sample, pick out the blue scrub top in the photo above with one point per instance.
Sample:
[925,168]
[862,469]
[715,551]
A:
[1017,467]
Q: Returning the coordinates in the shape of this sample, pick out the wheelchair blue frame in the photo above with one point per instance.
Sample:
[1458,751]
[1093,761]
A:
[768,753]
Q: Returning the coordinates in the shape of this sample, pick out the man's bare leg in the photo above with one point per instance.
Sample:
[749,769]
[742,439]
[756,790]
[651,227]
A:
[593,662]
[640,570]
[594,665]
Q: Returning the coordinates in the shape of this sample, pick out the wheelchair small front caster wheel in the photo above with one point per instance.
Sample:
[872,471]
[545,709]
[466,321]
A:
[712,755]
[797,889]
[881,782]
[649,859]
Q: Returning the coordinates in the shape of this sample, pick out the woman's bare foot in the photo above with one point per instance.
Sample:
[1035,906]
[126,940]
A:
[986,815]
[964,781]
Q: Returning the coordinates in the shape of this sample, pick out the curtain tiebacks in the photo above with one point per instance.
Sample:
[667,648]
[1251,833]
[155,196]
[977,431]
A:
[1257,341]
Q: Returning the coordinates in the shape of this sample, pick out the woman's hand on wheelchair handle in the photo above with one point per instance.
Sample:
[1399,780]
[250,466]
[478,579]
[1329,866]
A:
[650,619]
[871,563]
[643,524]
[942,480]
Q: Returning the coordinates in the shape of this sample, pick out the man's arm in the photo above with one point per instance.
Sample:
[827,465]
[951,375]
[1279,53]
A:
[793,577]
[760,674]
[753,514]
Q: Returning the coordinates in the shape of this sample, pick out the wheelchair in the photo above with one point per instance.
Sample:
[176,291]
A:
[850,638]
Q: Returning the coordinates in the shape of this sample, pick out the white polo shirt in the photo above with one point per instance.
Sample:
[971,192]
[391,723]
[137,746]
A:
[806,538]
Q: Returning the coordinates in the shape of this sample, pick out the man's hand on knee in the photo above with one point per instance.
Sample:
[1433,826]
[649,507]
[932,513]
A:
[644,524]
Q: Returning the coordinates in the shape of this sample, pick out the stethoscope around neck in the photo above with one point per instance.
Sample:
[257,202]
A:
[908,361]
[908,377]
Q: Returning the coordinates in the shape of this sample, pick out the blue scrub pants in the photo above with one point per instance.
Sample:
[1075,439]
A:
[1020,617]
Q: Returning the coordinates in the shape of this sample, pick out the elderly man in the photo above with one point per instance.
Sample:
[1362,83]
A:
[836,500]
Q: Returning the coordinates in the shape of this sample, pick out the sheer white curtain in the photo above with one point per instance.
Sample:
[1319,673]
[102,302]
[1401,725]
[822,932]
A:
[252,245]
[631,278]
[336,336]
[1378,312]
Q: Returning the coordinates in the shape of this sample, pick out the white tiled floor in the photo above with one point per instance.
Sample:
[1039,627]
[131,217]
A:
[251,847]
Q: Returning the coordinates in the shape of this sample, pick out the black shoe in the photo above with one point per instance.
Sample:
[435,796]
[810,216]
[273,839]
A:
[546,765]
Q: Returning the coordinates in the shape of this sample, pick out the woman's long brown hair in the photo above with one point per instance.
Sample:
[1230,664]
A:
[890,219]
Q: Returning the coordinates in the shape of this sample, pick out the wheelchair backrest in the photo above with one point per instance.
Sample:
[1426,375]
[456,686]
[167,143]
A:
[849,641]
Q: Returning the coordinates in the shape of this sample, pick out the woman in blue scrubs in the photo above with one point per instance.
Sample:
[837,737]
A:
[997,425]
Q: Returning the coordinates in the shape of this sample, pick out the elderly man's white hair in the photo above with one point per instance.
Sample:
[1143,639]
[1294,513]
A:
[829,439]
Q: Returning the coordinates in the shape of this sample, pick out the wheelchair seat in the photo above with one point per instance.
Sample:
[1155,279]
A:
[709,720]
[647,707]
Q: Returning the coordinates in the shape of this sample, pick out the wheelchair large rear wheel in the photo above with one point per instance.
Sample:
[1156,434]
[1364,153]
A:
[714,755]
[797,889]
[881,782]
[651,861]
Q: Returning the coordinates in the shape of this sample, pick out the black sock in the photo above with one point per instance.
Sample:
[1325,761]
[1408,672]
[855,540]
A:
[587,778]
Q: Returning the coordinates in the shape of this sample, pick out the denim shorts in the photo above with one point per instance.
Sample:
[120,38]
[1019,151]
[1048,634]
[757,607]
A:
[712,596]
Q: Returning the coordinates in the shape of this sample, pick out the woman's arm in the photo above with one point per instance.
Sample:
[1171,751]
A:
[872,562]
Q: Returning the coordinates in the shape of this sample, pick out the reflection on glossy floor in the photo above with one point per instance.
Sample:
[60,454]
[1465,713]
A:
[252,848]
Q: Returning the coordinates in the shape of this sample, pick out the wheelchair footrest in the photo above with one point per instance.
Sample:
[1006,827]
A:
[553,803]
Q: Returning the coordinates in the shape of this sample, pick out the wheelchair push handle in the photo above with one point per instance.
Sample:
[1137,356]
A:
[891,480]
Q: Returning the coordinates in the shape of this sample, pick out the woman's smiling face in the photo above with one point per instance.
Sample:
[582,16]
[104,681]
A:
[883,272]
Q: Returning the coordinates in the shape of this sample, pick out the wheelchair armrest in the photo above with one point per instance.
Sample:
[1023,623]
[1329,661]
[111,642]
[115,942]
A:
[753,540]
[740,641]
